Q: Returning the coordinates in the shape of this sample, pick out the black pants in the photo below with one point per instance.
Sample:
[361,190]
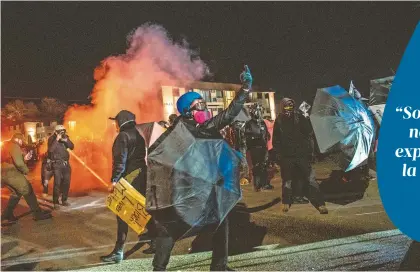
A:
[259,156]
[297,183]
[165,244]
[62,176]
[139,183]
[46,175]
[299,168]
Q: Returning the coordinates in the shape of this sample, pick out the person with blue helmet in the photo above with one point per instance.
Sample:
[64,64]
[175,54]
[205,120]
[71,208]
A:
[200,123]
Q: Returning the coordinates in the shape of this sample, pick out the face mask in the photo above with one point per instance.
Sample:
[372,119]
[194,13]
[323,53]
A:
[202,116]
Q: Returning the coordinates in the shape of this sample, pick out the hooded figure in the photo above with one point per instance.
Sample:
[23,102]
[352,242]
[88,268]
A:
[13,171]
[257,136]
[128,159]
[292,142]
[201,124]
[172,118]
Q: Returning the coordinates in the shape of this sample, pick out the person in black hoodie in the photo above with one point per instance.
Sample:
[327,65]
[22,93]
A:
[197,119]
[58,143]
[128,153]
[292,142]
[257,136]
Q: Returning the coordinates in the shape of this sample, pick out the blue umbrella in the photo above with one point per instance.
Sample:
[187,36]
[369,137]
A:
[342,123]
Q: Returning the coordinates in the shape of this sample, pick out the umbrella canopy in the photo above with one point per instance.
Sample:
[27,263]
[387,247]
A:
[243,116]
[342,123]
[150,132]
[192,182]
[379,90]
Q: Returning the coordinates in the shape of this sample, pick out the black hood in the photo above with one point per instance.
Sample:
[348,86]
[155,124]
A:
[124,117]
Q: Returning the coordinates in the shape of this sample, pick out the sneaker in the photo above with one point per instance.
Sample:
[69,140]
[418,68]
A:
[115,256]
[42,215]
[56,206]
[286,207]
[9,218]
[300,200]
[323,210]
[267,188]
[244,181]
[65,203]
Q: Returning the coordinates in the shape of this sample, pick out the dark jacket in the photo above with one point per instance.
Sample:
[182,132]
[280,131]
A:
[256,134]
[128,151]
[292,136]
[211,128]
[57,150]
[12,157]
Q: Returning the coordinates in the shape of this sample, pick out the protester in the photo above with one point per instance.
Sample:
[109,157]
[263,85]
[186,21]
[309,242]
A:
[257,136]
[128,153]
[46,174]
[197,119]
[239,140]
[292,142]
[58,144]
[172,118]
[13,175]
[271,153]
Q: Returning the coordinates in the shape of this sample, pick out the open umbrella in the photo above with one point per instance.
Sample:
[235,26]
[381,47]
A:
[379,90]
[192,182]
[150,132]
[342,123]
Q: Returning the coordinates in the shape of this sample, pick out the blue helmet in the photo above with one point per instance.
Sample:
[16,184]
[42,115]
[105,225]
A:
[184,102]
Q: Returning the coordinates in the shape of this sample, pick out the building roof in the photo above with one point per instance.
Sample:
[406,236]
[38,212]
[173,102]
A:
[222,86]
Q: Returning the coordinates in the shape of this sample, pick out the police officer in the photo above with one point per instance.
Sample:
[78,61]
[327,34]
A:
[257,136]
[58,144]
[128,153]
[13,171]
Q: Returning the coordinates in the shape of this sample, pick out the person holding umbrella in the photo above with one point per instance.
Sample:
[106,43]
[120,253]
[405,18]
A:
[196,124]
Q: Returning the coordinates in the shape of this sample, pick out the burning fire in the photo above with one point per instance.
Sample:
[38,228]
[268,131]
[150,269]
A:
[131,81]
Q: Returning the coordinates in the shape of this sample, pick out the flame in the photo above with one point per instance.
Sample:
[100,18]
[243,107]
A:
[131,81]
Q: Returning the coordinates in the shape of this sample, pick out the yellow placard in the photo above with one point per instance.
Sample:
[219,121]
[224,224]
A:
[129,205]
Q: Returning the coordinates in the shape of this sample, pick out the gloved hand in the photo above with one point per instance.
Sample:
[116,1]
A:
[246,78]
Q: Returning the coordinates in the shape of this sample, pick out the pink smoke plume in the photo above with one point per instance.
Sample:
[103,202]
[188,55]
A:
[131,81]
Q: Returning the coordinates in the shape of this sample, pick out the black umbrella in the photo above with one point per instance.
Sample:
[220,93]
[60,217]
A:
[150,132]
[192,182]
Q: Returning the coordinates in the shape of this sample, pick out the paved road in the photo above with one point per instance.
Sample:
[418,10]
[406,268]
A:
[78,235]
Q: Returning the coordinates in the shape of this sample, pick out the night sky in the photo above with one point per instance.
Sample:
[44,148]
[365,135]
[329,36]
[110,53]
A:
[52,48]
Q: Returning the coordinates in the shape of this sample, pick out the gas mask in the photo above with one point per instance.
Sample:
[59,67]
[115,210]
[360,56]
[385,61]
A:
[62,133]
[200,112]
[257,112]
[288,110]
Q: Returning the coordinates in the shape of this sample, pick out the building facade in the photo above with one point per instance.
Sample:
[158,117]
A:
[217,96]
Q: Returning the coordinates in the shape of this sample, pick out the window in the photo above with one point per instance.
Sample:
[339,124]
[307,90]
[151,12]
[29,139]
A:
[175,92]
[267,95]
[259,95]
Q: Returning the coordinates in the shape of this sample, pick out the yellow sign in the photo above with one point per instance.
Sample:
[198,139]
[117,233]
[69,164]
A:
[127,203]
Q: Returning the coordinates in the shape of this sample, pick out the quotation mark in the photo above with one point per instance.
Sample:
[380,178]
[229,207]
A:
[399,109]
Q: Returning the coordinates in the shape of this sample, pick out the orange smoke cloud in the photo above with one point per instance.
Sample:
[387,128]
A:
[131,81]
